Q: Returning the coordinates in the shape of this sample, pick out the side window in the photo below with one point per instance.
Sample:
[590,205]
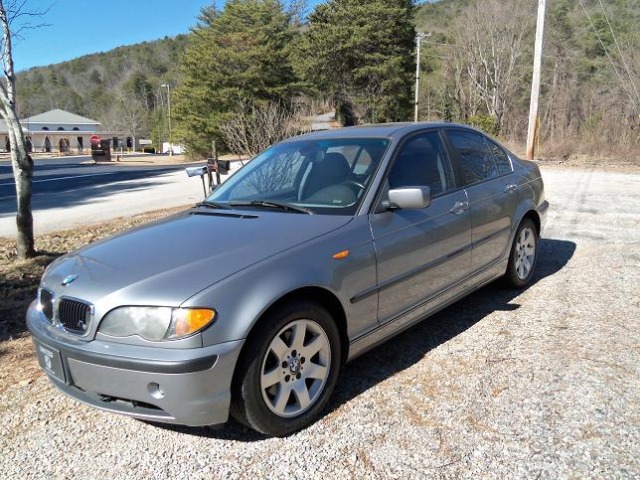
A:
[476,160]
[422,161]
[501,158]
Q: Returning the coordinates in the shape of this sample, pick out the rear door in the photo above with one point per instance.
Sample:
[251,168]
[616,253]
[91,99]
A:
[420,253]
[492,194]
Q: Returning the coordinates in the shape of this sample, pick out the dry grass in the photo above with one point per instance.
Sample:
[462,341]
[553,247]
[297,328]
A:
[20,364]
[566,154]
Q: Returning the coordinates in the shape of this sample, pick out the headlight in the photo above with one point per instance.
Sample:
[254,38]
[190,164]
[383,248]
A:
[156,323]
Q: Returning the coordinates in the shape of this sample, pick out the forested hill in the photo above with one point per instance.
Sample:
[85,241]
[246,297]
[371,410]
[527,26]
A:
[90,85]
[590,82]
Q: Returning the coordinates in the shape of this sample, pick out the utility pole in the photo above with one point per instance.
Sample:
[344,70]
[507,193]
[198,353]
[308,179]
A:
[166,85]
[419,38]
[535,82]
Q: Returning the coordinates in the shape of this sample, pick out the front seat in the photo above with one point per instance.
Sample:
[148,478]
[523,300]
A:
[332,170]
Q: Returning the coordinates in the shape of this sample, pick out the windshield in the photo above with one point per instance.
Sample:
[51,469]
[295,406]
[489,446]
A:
[320,176]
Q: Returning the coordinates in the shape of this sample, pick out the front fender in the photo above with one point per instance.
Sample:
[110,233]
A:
[241,299]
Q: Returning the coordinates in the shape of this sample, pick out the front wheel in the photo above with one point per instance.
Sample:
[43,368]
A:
[288,370]
[524,255]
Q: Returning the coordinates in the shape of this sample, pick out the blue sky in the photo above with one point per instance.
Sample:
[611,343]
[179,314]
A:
[80,27]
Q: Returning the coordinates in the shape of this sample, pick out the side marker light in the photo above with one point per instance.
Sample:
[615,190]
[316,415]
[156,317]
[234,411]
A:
[341,255]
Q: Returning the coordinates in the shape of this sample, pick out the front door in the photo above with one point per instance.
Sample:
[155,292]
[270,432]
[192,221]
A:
[420,253]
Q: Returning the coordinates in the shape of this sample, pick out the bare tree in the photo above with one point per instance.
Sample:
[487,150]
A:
[253,128]
[10,12]
[133,115]
[489,37]
[465,93]
[128,115]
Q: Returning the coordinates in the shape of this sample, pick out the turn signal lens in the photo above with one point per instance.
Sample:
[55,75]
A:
[341,255]
[187,321]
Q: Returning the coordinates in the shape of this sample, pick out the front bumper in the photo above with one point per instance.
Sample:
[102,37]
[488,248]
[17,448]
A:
[183,386]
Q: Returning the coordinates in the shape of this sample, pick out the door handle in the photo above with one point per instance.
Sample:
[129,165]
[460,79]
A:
[511,188]
[459,207]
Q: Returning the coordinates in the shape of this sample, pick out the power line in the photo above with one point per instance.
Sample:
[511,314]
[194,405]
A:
[633,100]
[626,67]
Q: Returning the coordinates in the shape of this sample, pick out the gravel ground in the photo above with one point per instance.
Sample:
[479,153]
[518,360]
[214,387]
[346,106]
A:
[540,384]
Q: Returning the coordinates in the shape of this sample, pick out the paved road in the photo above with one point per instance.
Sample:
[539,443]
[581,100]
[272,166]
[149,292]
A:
[72,191]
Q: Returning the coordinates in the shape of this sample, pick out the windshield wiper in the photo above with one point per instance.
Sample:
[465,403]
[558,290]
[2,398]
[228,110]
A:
[269,204]
[208,204]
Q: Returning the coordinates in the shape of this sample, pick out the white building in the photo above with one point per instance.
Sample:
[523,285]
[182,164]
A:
[60,131]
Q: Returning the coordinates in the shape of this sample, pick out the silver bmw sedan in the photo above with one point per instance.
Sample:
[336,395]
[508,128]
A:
[320,248]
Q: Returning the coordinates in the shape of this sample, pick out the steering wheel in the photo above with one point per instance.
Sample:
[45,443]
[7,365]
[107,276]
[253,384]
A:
[359,187]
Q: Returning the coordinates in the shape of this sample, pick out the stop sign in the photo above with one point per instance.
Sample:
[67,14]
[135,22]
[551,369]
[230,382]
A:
[95,139]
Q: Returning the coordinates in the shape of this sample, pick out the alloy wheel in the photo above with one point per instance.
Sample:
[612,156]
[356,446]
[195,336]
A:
[525,252]
[295,368]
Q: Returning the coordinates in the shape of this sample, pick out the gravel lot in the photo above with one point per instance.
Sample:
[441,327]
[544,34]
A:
[540,384]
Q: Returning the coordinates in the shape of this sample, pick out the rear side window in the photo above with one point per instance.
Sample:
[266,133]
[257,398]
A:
[476,160]
[501,158]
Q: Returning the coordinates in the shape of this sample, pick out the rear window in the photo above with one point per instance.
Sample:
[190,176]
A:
[501,158]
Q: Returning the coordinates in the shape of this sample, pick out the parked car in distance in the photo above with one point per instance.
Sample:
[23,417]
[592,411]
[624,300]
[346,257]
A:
[320,248]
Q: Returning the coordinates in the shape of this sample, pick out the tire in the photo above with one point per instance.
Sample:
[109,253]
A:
[287,370]
[524,255]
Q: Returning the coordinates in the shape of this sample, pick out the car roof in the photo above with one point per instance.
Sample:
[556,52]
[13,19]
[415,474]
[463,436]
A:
[381,130]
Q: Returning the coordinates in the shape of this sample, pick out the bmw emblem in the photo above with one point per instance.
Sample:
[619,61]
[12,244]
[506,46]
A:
[69,279]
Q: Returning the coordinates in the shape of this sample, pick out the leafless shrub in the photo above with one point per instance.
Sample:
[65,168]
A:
[318,105]
[254,127]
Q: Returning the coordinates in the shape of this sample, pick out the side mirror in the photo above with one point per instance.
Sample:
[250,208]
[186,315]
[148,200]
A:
[409,198]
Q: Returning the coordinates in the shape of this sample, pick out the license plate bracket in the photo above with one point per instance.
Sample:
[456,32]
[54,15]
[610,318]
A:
[51,361]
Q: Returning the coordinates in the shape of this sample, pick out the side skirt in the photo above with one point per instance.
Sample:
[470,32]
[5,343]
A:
[431,306]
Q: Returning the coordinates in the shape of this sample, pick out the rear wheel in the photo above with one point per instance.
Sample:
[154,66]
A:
[524,255]
[288,370]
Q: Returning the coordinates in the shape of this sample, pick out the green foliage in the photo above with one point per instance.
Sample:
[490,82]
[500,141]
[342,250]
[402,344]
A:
[592,124]
[486,123]
[240,54]
[360,52]
[447,106]
[139,86]
[90,85]
[580,93]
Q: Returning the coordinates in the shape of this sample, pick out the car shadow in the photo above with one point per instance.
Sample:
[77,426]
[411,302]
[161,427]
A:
[411,346]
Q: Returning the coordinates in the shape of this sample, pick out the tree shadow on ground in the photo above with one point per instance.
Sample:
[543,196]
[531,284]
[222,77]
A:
[411,346]
[86,190]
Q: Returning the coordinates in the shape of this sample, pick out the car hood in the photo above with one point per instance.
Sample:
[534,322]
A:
[166,262]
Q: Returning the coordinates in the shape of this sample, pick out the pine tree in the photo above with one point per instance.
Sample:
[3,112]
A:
[237,55]
[361,53]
